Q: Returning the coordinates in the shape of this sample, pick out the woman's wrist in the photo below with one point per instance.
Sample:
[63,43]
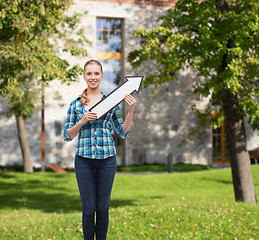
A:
[81,122]
[131,110]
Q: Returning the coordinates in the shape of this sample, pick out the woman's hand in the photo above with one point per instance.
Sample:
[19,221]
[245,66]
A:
[88,116]
[131,102]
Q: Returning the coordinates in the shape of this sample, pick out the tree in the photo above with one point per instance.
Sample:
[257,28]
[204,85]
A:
[220,39]
[32,36]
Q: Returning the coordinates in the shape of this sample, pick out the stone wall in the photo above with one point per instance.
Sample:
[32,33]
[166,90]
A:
[161,123]
[161,3]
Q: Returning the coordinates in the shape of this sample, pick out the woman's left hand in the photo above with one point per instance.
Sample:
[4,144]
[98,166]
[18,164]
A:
[131,101]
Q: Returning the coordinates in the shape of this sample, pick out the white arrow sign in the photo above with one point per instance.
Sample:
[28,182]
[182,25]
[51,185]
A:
[132,84]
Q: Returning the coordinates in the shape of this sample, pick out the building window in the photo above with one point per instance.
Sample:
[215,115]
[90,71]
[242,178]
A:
[219,151]
[109,35]
[109,51]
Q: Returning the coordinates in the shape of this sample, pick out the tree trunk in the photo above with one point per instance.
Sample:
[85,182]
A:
[239,157]
[236,135]
[27,163]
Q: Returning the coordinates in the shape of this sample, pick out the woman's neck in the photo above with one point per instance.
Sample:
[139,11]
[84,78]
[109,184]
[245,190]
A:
[94,96]
[93,92]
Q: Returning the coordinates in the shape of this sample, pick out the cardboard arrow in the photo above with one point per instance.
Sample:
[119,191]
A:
[132,84]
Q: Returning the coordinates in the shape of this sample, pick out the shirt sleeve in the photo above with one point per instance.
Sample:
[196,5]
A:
[118,122]
[70,122]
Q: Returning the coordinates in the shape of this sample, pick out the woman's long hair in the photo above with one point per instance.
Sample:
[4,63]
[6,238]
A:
[84,99]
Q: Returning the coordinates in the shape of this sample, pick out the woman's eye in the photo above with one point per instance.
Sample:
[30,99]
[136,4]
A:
[95,74]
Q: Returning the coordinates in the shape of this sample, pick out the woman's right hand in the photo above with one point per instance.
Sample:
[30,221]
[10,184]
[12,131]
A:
[88,116]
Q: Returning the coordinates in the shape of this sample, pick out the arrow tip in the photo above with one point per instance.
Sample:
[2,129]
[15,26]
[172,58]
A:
[137,81]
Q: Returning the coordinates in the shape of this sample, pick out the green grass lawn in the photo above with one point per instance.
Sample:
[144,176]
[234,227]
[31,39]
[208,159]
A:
[193,205]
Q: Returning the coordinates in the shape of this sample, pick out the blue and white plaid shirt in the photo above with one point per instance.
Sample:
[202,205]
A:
[95,139]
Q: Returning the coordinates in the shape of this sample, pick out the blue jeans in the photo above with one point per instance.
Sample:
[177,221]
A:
[95,179]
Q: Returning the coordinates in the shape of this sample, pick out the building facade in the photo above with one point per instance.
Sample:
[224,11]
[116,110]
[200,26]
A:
[160,123]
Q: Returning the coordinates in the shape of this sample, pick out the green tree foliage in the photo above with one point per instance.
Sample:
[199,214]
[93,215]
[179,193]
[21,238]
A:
[33,34]
[220,39]
[198,35]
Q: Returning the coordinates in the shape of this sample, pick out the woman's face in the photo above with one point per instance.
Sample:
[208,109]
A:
[93,75]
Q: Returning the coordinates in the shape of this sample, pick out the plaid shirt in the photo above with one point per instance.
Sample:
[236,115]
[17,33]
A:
[95,139]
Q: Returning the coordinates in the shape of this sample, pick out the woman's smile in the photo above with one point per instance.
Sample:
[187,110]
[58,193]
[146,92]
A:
[93,81]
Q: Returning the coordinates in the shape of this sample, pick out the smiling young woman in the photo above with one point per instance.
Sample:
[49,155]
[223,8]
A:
[95,156]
